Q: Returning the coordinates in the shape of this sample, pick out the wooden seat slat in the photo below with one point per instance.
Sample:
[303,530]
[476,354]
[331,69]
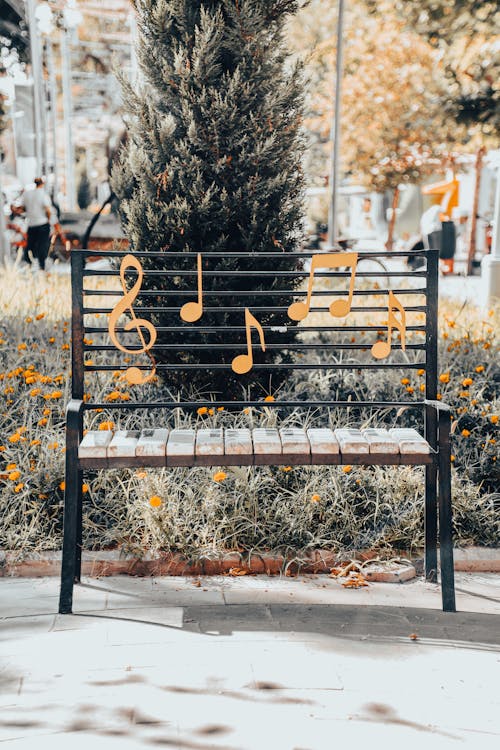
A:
[123,443]
[380,441]
[95,444]
[352,441]
[152,443]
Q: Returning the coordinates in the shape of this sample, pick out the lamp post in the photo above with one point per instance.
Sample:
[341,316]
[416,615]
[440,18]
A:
[333,209]
[71,17]
[38,97]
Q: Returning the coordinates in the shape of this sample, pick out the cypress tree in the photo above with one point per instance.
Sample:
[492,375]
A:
[212,163]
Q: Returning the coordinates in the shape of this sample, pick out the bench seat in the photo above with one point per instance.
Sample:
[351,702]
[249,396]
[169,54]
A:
[257,447]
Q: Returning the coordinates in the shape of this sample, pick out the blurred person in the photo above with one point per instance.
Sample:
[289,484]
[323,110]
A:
[36,204]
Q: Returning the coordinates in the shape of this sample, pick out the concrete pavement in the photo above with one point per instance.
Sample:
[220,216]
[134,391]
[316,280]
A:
[252,662]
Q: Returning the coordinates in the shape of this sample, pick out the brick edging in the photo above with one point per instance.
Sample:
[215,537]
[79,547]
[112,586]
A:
[107,563]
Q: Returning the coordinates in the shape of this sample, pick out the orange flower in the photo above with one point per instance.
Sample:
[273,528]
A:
[211,412]
[36,442]
[43,421]
[18,487]
[51,340]
[466,382]
[466,433]
[53,446]
[422,387]
[62,486]
[46,412]
[444,377]
[14,475]
[107,426]
[15,438]
[155,501]
[85,488]
[29,320]
[202,410]
[35,392]
[220,408]
[480,368]
[315,498]
[2,448]
[113,396]
[269,399]
[410,390]
[21,347]
[65,347]
[286,468]
[452,458]
[219,476]
[40,316]
[420,372]
[346,469]
[494,418]
[405,381]
[10,467]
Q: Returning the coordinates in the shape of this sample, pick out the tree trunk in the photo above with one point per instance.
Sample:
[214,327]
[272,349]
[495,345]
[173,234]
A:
[392,222]
[475,203]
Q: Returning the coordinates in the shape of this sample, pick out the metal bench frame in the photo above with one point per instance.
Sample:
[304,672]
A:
[438,500]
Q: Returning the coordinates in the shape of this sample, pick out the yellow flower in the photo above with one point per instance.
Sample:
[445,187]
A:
[85,488]
[420,372]
[43,421]
[409,389]
[2,448]
[51,340]
[113,396]
[220,408]
[36,442]
[494,418]
[62,486]
[21,347]
[35,392]
[466,433]
[14,475]
[18,487]
[315,498]
[155,501]
[29,320]
[202,410]
[53,446]
[107,426]
[422,387]
[452,458]
[405,381]
[480,368]
[286,468]
[444,377]
[269,399]
[346,469]
[15,438]
[466,382]
[219,476]
[10,467]
[211,412]
[65,347]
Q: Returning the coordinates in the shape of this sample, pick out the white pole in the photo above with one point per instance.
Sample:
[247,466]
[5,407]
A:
[68,118]
[490,265]
[36,72]
[53,114]
[333,221]
[4,245]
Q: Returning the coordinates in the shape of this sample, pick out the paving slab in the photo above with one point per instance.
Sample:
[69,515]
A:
[249,663]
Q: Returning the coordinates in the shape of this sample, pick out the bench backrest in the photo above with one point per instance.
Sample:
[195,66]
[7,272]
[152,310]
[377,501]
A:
[309,314]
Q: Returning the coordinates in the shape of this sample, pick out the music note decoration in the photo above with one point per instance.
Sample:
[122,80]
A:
[243,363]
[192,311]
[338,308]
[382,349]
[133,375]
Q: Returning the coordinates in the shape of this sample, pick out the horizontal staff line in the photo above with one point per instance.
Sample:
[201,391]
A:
[251,273]
[88,406]
[256,310]
[267,366]
[252,293]
[284,346]
[275,329]
[246,254]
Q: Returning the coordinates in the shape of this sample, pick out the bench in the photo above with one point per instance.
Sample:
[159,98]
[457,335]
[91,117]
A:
[296,333]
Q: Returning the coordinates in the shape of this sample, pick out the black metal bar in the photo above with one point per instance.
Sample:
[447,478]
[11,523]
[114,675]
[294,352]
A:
[242,329]
[74,425]
[256,310]
[296,274]
[128,405]
[79,526]
[77,327]
[445,515]
[256,293]
[255,255]
[284,345]
[265,366]
[431,415]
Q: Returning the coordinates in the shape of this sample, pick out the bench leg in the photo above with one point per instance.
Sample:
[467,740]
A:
[79,515]
[445,516]
[430,523]
[70,536]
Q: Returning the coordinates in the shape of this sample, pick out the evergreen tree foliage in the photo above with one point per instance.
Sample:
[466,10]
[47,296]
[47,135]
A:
[212,163]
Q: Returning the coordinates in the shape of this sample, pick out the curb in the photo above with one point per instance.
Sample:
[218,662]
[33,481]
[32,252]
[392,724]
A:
[112,562]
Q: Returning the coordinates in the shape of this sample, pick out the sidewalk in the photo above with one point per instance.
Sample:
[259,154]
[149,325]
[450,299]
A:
[252,662]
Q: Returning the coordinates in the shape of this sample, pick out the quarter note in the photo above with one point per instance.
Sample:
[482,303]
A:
[243,362]
[133,374]
[382,349]
[338,308]
[192,311]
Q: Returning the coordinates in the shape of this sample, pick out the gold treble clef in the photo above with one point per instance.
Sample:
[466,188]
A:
[133,374]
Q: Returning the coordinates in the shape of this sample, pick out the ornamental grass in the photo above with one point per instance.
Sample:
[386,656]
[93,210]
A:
[203,512]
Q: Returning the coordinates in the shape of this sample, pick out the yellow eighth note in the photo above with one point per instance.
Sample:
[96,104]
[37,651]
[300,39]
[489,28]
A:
[244,362]
[133,374]
[382,349]
[192,311]
[338,308]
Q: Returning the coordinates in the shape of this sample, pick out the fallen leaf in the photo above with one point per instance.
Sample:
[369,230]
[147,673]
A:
[238,572]
[413,637]
[355,581]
